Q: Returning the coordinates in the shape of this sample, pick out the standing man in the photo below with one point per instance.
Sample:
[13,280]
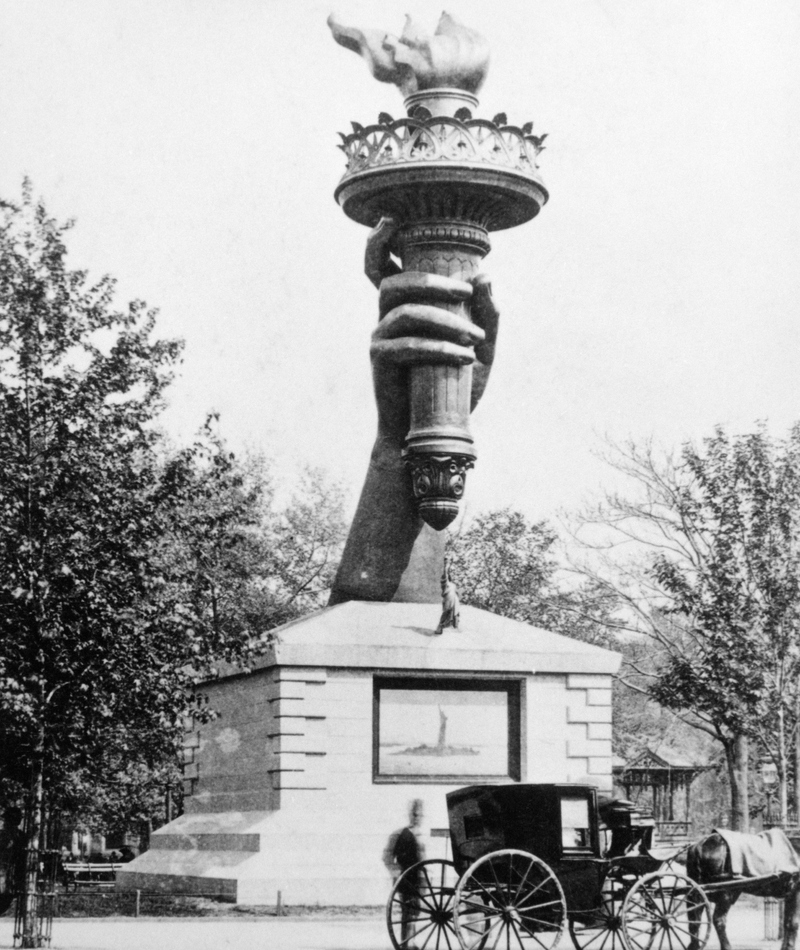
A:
[407,851]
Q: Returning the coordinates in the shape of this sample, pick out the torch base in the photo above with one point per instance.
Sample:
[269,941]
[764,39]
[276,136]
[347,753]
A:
[439,513]
[438,485]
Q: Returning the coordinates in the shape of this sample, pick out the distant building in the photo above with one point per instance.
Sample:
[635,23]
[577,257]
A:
[661,784]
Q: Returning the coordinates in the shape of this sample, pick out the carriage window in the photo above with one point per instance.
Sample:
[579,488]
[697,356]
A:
[473,826]
[445,730]
[575,823]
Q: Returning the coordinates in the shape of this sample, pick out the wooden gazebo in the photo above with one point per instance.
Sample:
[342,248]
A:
[661,784]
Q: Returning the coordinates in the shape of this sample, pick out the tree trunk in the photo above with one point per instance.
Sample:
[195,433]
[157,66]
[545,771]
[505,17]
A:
[736,757]
[146,830]
[783,803]
[797,759]
[31,931]
[783,770]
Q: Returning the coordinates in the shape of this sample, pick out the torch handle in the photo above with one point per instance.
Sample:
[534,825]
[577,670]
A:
[439,447]
[440,395]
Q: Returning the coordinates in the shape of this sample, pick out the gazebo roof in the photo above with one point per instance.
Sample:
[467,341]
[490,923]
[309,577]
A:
[666,760]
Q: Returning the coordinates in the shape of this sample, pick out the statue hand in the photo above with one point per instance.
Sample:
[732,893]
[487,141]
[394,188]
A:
[413,330]
[378,262]
[487,317]
[378,265]
[388,554]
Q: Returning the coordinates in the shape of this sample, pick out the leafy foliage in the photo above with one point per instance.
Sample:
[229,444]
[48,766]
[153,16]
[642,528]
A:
[126,571]
[82,507]
[506,564]
[243,561]
[703,558]
[739,598]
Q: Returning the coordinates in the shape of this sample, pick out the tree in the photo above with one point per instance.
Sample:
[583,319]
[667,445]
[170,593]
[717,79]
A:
[703,557]
[506,564]
[247,563]
[302,544]
[101,646]
[240,564]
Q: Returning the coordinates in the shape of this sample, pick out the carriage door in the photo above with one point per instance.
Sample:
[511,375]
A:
[579,871]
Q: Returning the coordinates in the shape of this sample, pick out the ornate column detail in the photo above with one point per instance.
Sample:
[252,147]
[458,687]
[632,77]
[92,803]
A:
[447,179]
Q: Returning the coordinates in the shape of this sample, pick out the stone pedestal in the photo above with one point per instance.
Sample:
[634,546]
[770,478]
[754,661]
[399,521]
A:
[284,791]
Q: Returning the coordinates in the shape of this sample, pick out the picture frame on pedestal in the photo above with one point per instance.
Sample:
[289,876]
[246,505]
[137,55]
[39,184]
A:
[442,730]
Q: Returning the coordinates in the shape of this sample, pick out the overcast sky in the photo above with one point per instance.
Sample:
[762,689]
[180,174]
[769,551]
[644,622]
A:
[654,296]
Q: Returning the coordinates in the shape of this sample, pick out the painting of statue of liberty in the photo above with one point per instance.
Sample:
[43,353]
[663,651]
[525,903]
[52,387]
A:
[441,732]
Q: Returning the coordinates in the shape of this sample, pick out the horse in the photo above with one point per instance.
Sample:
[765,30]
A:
[709,861]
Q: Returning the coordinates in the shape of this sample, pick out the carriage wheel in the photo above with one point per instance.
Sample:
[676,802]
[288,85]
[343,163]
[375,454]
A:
[420,909]
[666,912]
[509,900]
[601,929]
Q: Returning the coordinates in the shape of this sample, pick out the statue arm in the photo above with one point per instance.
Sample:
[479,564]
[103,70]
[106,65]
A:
[390,553]
[384,534]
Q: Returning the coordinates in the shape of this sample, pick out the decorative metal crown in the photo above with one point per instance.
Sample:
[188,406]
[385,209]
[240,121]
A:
[423,139]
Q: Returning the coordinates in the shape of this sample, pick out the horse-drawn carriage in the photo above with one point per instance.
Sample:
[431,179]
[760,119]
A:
[533,861]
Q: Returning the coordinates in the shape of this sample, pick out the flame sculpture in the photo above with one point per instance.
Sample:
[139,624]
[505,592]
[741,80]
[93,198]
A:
[453,57]
[448,179]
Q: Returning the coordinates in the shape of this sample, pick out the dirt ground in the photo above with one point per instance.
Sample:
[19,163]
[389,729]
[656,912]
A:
[745,928]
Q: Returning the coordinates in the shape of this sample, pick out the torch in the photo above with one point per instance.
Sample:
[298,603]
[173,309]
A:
[447,179]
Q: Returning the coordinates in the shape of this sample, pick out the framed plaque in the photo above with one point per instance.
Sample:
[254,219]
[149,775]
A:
[451,731]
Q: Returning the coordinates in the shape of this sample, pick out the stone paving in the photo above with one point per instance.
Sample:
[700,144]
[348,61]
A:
[745,928]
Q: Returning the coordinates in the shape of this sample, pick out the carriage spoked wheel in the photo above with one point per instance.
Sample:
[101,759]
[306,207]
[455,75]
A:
[601,928]
[419,914]
[509,900]
[666,911]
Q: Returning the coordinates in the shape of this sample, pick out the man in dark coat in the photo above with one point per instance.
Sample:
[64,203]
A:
[407,851]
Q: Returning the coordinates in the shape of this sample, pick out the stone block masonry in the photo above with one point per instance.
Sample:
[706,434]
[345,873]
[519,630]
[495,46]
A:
[281,794]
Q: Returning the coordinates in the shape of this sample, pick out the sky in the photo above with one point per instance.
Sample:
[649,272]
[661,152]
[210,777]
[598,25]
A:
[655,296]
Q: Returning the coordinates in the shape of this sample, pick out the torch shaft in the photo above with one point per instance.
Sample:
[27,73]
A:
[440,395]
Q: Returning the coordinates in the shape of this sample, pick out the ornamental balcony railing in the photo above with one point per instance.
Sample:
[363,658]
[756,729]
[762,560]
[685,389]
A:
[422,140]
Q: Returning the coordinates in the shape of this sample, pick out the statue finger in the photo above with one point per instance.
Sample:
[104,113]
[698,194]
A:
[406,351]
[484,312]
[423,320]
[378,263]
[419,287]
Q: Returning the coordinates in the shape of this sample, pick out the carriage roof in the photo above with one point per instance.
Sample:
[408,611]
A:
[552,821]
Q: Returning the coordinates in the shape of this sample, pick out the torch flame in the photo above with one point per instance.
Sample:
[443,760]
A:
[454,56]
